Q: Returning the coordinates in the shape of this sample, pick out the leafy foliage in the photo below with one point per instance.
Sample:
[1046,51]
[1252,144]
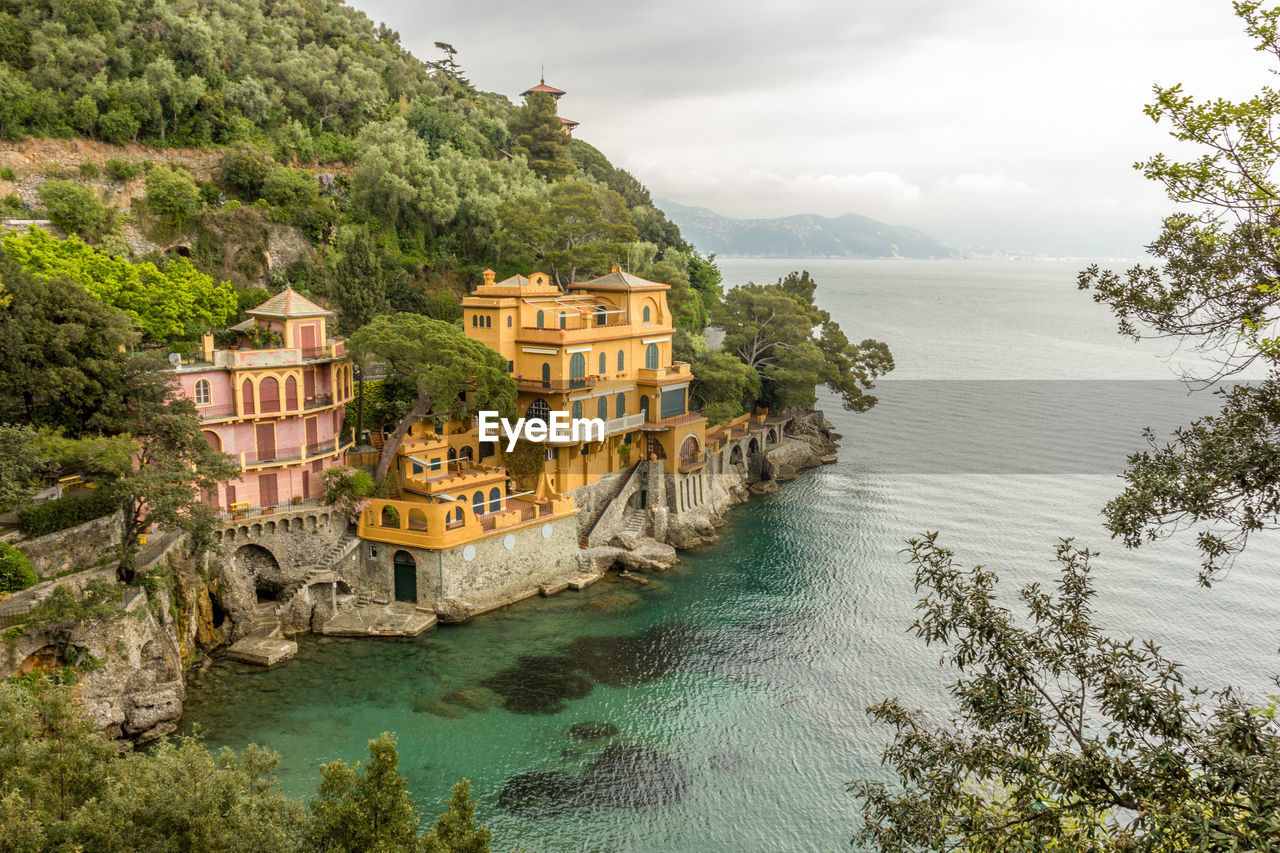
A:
[64,787]
[172,195]
[1063,738]
[771,328]
[1216,290]
[450,372]
[61,513]
[75,209]
[173,303]
[576,232]
[15,569]
[540,136]
[346,489]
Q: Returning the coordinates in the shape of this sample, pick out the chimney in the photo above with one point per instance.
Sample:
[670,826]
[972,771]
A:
[488,276]
[206,347]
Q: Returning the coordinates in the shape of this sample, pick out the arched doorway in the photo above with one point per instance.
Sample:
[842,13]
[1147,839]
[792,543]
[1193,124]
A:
[546,375]
[689,450]
[644,405]
[261,566]
[735,455]
[577,370]
[651,357]
[753,447]
[406,576]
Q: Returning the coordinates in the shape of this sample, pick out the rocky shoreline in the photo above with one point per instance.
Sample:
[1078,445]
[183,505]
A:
[135,682]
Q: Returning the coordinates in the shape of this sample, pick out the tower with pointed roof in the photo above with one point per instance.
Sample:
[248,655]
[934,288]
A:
[274,399]
[542,87]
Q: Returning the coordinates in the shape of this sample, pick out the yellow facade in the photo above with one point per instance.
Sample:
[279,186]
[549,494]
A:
[600,350]
[603,348]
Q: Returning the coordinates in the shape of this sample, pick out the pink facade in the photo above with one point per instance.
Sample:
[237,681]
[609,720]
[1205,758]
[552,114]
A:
[275,403]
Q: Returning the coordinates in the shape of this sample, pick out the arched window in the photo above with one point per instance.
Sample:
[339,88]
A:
[602,317]
[651,357]
[389,517]
[508,321]
[203,392]
[539,318]
[564,321]
[644,405]
[269,393]
[477,503]
[453,454]
[577,370]
[212,439]
[546,375]
[495,499]
[291,393]
[488,321]
[475,320]
[620,407]
[577,410]
[457,515]
[646,314]
[604,364]
[538,411]
[602,408]
[622,361]
[246,397]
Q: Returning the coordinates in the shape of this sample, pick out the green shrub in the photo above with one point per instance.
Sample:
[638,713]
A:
[244,170]
[292,188]
[7,174]
[15,570]
[172,195]
[89,170]
[122,170]
[75,209]
[59,514]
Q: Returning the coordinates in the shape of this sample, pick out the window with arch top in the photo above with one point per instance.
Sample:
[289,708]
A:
[602,409]
[540,317]
[651,357]
[203,392]
[577,410]
[577,370]
[564,321]
[508,321]
[604,364]
[646,314]
[620,410]
[538,410]
[622,361]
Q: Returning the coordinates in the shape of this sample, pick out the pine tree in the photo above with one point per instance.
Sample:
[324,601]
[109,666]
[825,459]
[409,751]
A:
[540,136]
[456,831]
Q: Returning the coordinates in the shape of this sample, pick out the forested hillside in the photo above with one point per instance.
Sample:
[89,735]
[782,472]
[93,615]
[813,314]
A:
[228,130]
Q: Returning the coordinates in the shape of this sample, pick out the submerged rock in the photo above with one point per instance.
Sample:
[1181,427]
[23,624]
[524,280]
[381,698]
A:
[591,730]
[632,777]
[540,794]
[538,685]
[474,698]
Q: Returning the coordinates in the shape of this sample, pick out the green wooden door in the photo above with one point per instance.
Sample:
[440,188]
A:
[406,574]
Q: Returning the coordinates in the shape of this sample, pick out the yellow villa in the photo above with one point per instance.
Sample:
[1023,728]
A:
[600,350]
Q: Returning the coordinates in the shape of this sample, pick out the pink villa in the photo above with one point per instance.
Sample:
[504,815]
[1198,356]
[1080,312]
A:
[275,401]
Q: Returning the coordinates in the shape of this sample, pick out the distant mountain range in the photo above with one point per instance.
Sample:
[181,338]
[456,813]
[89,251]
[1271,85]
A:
[804,236]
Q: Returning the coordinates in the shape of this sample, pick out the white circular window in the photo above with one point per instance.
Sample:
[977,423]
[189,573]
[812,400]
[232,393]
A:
[546,531]
[509,541]
[469,553]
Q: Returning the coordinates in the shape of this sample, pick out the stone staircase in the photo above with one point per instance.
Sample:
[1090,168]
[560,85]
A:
[634,523]
[618,486]
[265,621]
[263,645]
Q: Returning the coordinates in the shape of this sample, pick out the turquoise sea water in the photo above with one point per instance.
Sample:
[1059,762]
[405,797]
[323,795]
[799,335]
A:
[743,674]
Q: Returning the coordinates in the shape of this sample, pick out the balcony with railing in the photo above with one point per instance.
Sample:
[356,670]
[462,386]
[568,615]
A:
[222,411]
[676,371]
[673,421]
[527,383]
[285,454]
[574,331]
[265,357]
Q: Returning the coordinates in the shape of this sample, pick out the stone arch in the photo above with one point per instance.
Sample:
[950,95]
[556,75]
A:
[256,530]
[297,523]
[271,528]
[753,447]
[261,566]
[771,437]
[735,455]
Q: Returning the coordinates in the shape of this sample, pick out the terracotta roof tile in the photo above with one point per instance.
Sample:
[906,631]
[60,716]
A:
[289,303]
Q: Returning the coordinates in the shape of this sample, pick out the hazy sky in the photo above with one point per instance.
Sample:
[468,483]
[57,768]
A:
[1006,124]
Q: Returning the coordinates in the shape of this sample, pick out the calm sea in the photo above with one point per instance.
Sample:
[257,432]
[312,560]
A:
[737,683]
